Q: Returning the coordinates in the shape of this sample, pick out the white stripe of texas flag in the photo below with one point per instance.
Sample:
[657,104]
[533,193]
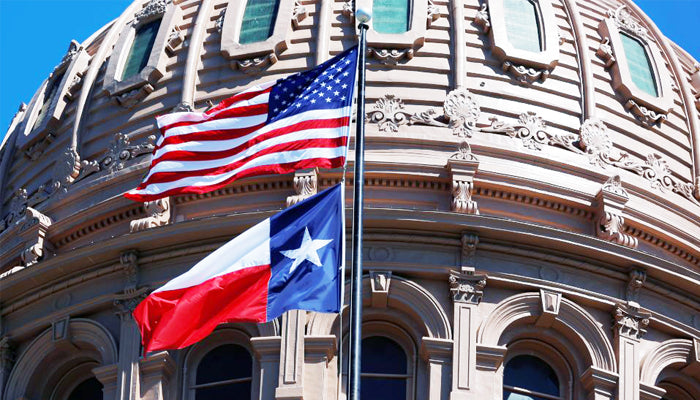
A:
[249,249]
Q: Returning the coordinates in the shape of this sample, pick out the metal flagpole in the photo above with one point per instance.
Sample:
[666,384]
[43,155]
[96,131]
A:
[362,16]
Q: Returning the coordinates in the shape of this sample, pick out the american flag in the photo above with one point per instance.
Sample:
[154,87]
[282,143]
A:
[301,121]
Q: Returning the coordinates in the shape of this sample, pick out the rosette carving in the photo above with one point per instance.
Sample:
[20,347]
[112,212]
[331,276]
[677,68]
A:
[388,113]
[463,112]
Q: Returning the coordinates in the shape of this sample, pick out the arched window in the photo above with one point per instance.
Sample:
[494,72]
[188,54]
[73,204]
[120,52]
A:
[50,92]
[639,64]
[224,370]
[384,369]
[529,378]
[523,24]
[140,49]
[258,20]
[391,16]
[89,389]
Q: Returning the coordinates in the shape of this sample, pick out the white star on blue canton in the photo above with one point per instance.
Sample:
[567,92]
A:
[308,250]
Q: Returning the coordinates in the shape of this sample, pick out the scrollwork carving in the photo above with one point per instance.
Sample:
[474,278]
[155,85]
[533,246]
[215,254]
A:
[644,114]
[175,38]
[630,320]
[18,206]
[433,13]
[611,200]
[130,98]
[120,151]
[482,18]
[624,20]
[299,13]
[388,113]
[153,9]
[253,66]
[605,52]
[463,166]
[466,286]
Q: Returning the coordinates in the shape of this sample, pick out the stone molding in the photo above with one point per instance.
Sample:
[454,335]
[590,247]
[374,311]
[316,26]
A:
[673,352]
[252,58]
[158,214]
[600,384]
[466,286]
[551,303]
[649,110]
[156,372]
[134,89]
[610,203]
[25,234]
[380,281]
[526,67]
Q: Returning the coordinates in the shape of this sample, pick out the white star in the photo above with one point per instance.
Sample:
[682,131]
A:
[336,93]
[308,250]
[344,86]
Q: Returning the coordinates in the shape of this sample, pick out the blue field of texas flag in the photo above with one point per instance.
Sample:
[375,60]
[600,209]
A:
[292,260]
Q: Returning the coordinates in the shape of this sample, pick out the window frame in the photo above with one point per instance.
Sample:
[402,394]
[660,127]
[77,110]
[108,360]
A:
[515,60]
[616,60]
[389,48]
[70,69]
[130,91]
[253,57]
[217,338]
[550,355]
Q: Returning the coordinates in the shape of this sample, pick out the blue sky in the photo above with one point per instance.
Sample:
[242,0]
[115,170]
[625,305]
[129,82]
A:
[34,36]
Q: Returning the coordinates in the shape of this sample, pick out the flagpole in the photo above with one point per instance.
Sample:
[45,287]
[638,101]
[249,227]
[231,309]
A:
[362,16]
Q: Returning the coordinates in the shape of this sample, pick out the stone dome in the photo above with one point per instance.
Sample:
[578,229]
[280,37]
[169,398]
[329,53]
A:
[533,162]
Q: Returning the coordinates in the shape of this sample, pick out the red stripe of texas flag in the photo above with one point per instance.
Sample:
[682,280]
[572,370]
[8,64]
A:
[229,285]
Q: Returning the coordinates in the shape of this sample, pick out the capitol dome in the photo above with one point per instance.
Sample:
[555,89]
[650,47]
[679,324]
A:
[532,205]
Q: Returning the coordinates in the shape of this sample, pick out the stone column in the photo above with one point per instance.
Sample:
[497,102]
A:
[129,347]
[267,352]
[630,324]
[600,384]
[437,354]
[466,288]
[319,353]
[156,372]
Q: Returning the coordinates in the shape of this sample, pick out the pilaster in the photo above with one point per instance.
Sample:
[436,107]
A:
[600,384]
[319,351]
[7,359]
[437,354]
[156,372]
[267,352]
[292,356]
[630,324]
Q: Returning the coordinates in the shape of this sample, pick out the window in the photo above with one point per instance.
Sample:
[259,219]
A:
[224,370]
[639,65]
[391,16]
[140,49]
[528,378]
[384,369]
[90,389]
[523,25]
[258,20]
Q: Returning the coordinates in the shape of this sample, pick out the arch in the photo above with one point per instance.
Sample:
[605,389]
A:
[572,321]
[88,337]
[407,296]
[666,354]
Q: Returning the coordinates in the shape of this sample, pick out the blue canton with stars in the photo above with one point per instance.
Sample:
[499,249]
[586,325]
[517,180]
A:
[328,86]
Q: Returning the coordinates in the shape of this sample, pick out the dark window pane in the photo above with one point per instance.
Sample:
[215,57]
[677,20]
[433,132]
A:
[639,64]
[141,49]
[522,25]
[258,20]
[236,391]
[48,95]
[229,361]
[531,373]
[383,356]
[508,395]
[391,16]
[90,389]
[383,389]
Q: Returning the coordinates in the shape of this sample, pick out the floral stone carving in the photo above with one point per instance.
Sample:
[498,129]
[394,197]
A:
[388,113]
[466,286]
[153,8]
[525,75]
[644,114]
[305,185]
[390,56]
[158,212]
[611,200]
[532,131]
[120,151]
[624,20]
[605,52]
[630,320]
[462,166]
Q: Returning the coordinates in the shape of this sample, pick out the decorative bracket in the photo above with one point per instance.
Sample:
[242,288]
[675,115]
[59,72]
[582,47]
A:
[466,286]
[605,52]
[637,278]
[611,200]
[379,283]
[644,114]
[468,252]
[158,212]
[525,75]
[462,167]
[25,236]
[390,56]
[129,261]
[305,186]
[550,302]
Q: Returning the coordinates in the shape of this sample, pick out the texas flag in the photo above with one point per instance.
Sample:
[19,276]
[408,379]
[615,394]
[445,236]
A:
[292,260]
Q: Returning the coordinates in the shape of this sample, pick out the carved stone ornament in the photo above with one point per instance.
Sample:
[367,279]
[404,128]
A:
[35,151]
[299,13]
[525,75]
[158,214]
[253,66]
[624,20]
[349,9]
[388,113]
[466,286]
[379,282]
[126,303]
[463,112]
[644,114]
[464,153]
[131,98]
[175,38]
[637,278]
[305,186]
[433,13]
[391,56]
[605,52]
[154,8]
[120,151]
[68,57]
[611,200]
[467,257]
[66,170]
[220,20]
[462,167]
[18,206]
[25,236]
[630,320]
[129,261]
[482,18]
